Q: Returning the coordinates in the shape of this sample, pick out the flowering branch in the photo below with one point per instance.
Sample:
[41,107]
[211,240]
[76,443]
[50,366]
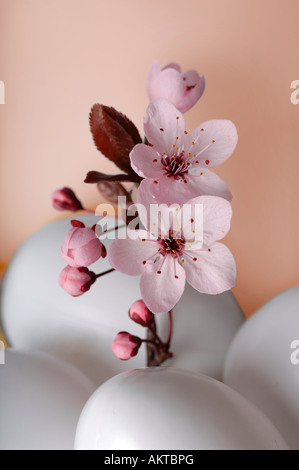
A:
[126,345]
[169,165]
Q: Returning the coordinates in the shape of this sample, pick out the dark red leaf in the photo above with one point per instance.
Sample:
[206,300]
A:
[97,177]
[112,191]
[114,135]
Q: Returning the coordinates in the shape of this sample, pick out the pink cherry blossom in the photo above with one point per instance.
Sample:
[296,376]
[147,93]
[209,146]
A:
[126,345]
[81,246]
[66,200]
[165,260]
[76,281]
[175,163]
[183,90]
[140,314]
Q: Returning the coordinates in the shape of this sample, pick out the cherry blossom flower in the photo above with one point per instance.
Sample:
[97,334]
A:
[66,200]
[183,90]
[76,281]
[176,254]
[140,314]
[126,345]
[81,246]
[175,163]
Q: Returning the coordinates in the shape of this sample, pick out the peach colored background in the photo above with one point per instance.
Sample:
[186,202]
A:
[58,57]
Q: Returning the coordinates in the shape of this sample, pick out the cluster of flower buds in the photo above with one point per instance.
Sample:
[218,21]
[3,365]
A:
[125,346]
[80,249]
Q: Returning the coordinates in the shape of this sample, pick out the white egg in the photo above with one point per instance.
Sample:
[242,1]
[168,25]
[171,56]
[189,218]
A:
[263,363]
[36,313]
[167,408]
[41,399]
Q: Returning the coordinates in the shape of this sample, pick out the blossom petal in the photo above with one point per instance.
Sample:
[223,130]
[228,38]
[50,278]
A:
[154,72]
[173,65]
[204,182]
[217,214]
[81,247]
[161,292]
[127,255]
[145,199]
[87,254]
[167,83]
[157,218]
[146,162]
[171,191]
[195,87]
[192,78]
[212,142]
[80,236]
[213,272]
[144,193]
[189,226]
[162,127]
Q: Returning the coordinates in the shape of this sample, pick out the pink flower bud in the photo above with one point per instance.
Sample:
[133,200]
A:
[81,246]
[126,345]
[76,281]
[66,200]
[140,314]
[183,90]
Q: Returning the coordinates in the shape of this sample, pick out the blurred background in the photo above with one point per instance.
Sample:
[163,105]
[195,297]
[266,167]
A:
[59,57]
